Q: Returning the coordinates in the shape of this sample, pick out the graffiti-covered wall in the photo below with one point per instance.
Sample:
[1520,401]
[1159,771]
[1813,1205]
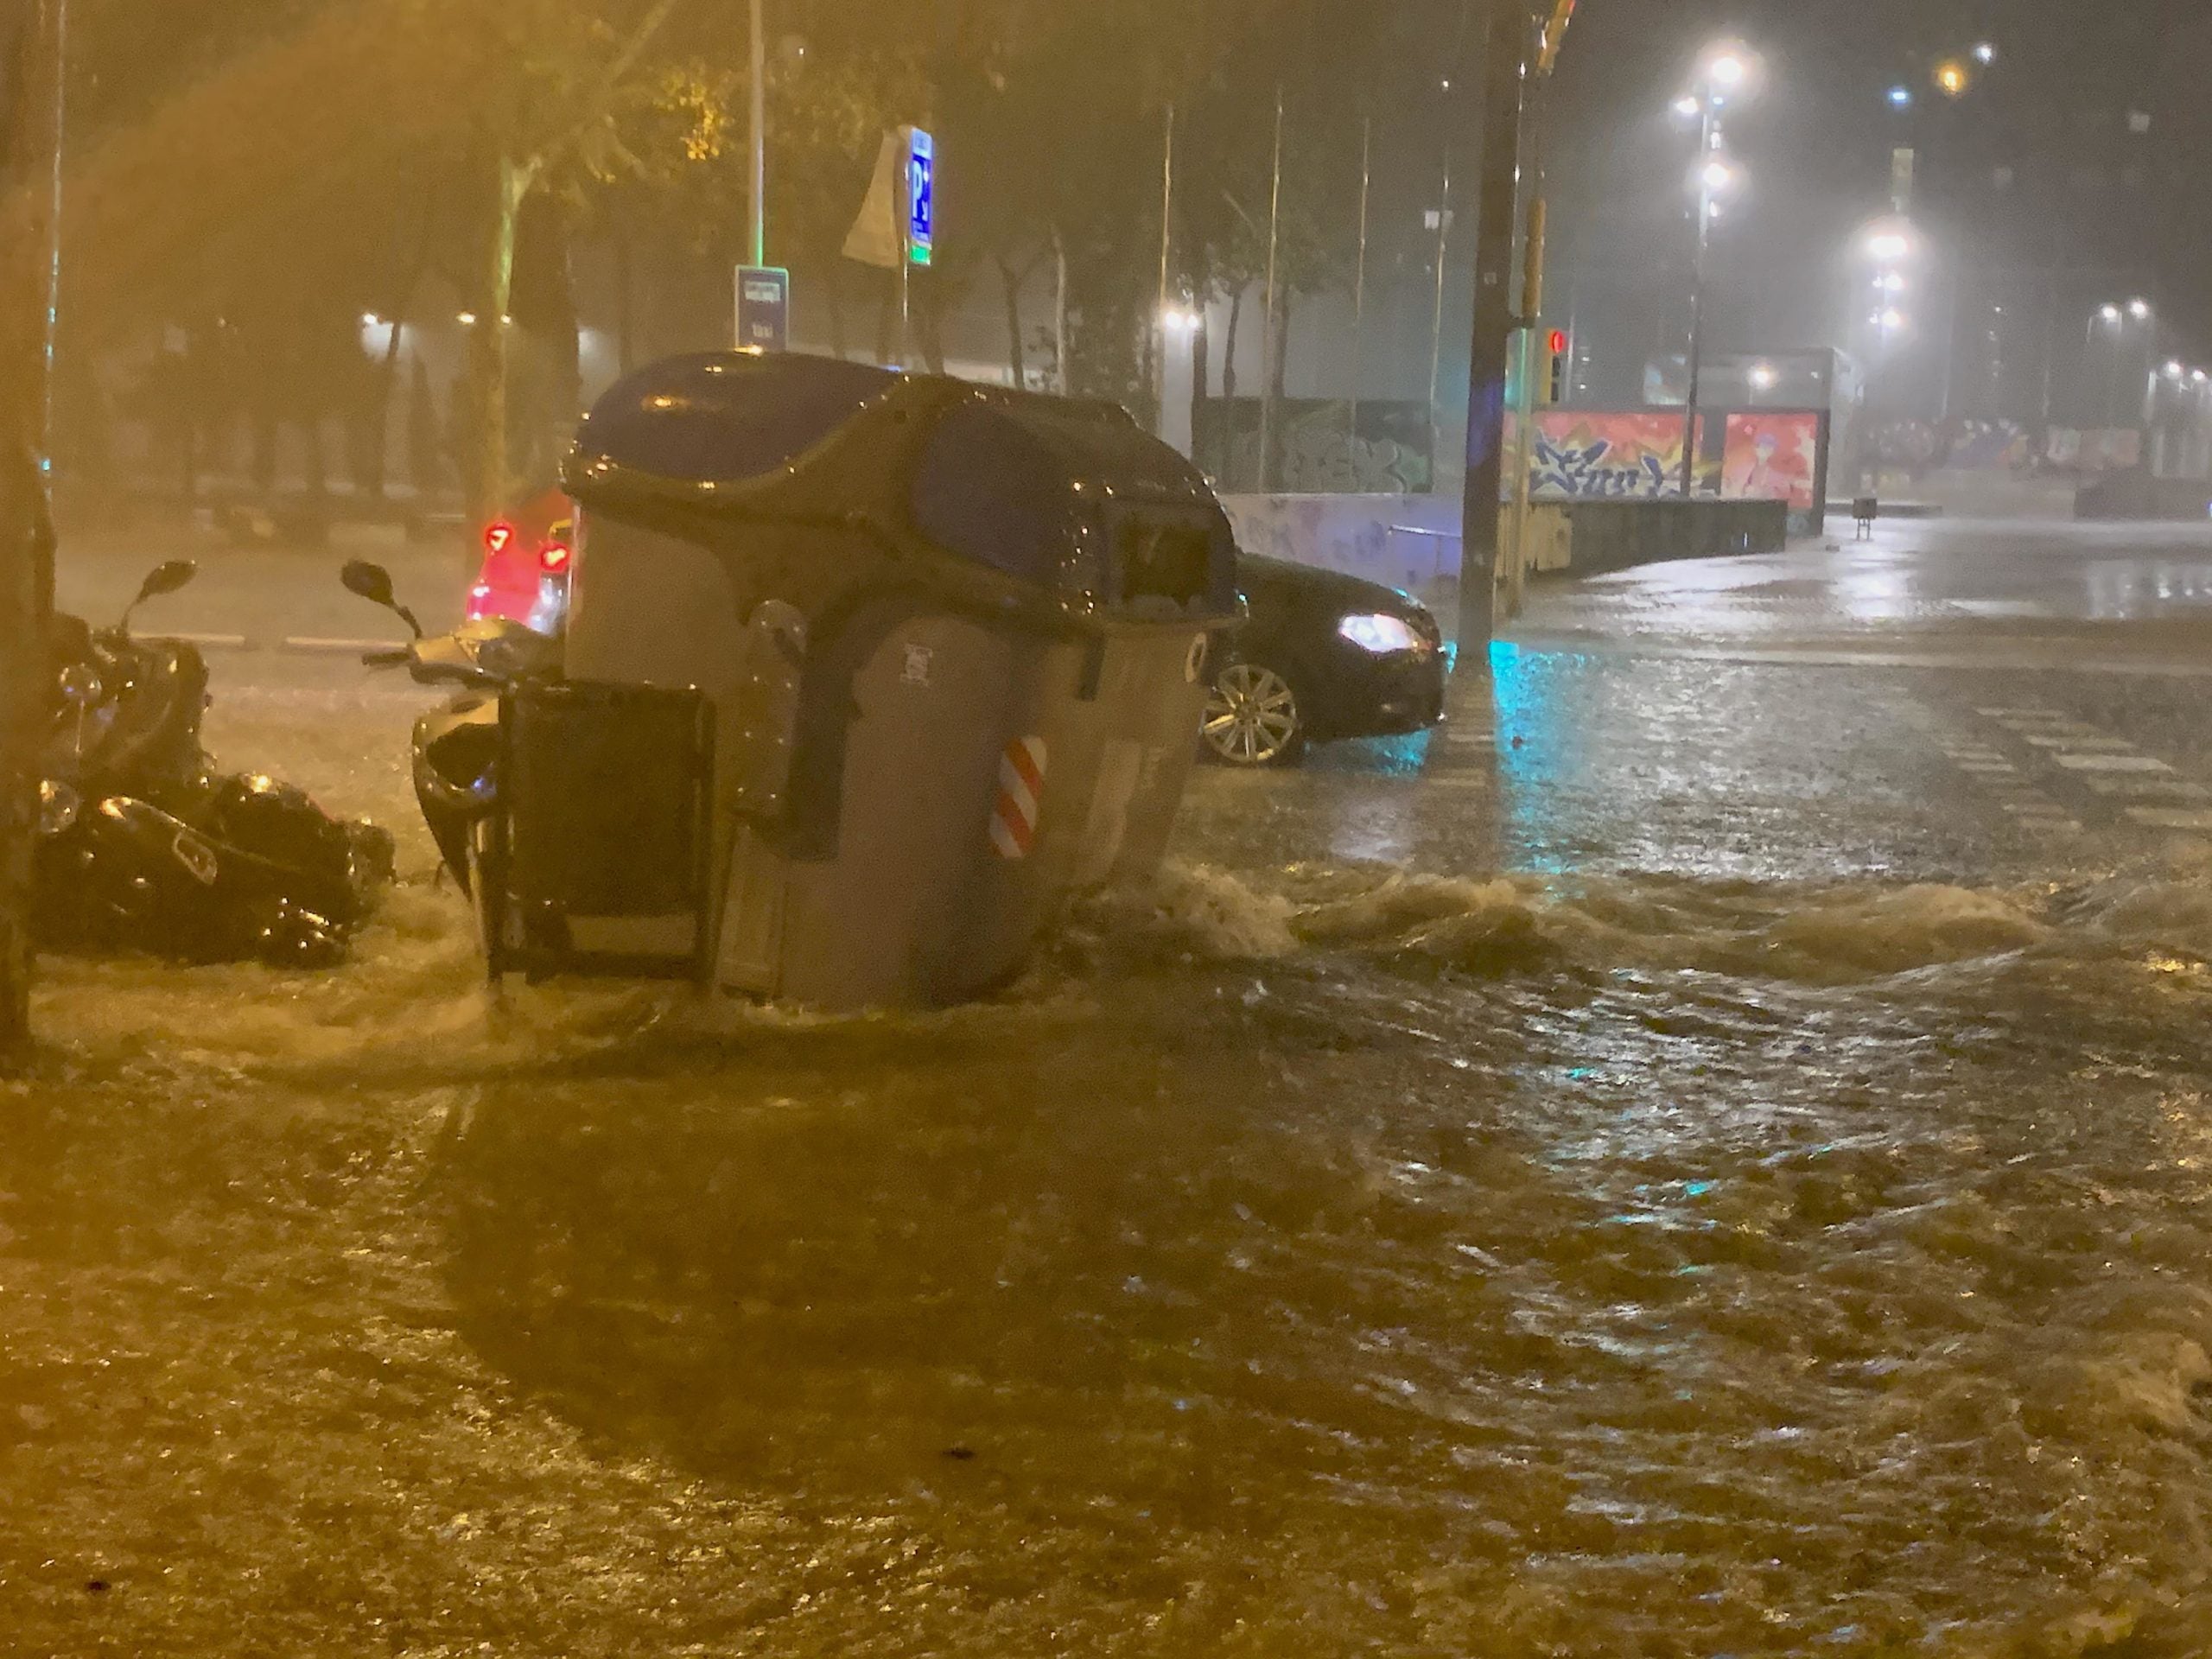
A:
[1637,454]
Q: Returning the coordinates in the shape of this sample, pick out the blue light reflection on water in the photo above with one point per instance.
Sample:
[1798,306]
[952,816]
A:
[1529,841]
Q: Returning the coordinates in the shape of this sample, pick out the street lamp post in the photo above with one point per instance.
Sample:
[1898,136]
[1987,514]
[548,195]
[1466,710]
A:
[1724,72]
[759,134]
[2117,319]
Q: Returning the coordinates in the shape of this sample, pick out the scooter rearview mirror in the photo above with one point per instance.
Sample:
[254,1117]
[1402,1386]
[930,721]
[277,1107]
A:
[370,582]
[163,578]
[374,583]
[168,578]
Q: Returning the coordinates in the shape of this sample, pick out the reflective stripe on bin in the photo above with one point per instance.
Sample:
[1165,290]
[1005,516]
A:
[1021,798]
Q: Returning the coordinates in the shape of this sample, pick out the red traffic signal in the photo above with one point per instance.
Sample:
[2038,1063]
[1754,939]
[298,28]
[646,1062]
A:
[1557,342]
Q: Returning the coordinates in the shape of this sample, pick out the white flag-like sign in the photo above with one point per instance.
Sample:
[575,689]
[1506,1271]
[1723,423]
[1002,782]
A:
[879,234]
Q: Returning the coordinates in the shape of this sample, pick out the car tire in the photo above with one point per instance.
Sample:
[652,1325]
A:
[1254,717]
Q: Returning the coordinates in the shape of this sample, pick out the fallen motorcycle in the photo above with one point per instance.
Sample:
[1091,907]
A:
[142,846]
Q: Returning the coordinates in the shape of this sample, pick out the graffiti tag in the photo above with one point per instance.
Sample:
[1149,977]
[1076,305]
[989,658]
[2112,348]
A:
[1587,473]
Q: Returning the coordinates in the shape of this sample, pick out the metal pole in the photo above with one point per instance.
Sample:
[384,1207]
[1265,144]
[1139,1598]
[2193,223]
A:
[32,38]
[902,216]
[60,60]
[1436,330]
[1511,37]
[1359,288]
[1166,248]
[1268,324]
[759,135]
[2117,379]
[1528,354]
[2088,381]
[1707,132]
[2050,354]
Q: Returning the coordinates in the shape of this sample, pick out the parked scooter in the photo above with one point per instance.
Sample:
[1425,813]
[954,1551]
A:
[141,846]
[456,749]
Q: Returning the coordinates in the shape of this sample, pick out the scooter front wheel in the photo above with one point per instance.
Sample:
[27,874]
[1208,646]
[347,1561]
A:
[487,887]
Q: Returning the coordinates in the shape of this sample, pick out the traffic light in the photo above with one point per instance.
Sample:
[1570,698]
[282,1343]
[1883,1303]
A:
[1560,361]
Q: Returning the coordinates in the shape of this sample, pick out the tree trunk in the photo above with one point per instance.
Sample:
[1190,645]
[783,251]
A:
[929,319]
[315,461]
[489,482]
[626,302]
[387,387]
[1201,389]
[545,367]
[26,598]
[1278,377]
[886,323]
[1229,350]
[1060,311]
[1016,357]
[833,284]
[26,537]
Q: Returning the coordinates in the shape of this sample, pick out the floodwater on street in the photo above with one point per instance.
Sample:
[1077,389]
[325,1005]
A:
[1709,1154]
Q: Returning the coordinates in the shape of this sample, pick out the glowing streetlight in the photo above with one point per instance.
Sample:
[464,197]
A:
[1952,78]
[1764,378]
[1726,69]
[1985,55]
[466,318]
[1900,98]
[2173,371]
[2108,313]
[2140,309]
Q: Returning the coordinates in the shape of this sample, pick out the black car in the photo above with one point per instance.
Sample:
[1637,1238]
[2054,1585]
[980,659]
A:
[1325,656]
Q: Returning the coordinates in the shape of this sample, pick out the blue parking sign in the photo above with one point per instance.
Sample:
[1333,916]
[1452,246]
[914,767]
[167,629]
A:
[921,195]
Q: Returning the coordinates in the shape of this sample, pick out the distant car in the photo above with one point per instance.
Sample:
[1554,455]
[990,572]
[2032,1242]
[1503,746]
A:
[528,553]
[1325,657]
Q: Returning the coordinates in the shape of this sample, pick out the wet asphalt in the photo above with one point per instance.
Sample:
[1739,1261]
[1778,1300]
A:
[1704,1154]
[1952,699]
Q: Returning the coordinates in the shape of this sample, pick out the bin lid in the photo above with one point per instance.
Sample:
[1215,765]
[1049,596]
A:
[725,417]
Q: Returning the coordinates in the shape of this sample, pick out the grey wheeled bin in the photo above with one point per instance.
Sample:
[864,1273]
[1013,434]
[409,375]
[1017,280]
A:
[955,640]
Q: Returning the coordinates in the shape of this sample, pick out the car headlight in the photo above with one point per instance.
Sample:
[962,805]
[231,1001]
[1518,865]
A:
[1379,633]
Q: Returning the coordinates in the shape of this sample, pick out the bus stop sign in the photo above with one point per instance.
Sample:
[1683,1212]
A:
[763,308]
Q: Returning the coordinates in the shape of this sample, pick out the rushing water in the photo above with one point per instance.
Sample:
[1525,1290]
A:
[1306,1260]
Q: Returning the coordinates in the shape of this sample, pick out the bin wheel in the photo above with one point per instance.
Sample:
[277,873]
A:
[1253,717]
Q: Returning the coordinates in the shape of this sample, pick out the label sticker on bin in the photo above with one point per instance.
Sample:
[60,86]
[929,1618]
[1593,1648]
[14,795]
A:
[1021,798]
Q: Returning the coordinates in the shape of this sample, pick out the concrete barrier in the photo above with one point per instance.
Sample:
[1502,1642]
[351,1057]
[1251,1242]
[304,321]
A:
[2138,495]
[1412,542]
[1615,534]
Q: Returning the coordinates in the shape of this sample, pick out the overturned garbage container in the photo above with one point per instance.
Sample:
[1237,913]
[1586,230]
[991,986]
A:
[954,640]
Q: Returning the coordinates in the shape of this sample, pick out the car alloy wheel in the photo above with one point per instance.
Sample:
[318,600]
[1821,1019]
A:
[1252,717]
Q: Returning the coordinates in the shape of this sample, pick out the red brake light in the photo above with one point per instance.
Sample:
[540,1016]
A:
[498,538]
[553,557]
